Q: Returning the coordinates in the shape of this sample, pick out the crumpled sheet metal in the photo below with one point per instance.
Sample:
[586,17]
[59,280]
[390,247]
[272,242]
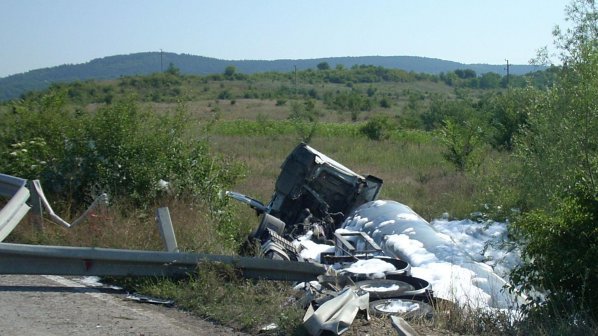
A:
[336,315]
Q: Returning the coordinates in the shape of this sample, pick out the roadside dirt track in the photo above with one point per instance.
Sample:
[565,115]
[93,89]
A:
[51,305]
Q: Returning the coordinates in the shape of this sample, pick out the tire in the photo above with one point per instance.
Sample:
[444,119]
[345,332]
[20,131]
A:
[421,286]
[405,308]
[384,288]
[402,267]
[268,221]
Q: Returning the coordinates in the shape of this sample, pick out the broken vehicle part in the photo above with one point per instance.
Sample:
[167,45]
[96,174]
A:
[311,180]
[355,244]
[253,203]
[422,287]
[336,315]
[399,230]
[405,308]
[401,267]
[402,327]
[312,193]
[267,223]
[383,288]
[148,299]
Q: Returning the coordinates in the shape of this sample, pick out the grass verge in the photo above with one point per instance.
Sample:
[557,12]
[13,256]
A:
[218,293]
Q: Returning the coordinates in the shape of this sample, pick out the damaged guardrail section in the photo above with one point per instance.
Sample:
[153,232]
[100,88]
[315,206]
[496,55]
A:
[16,208]
[63,260]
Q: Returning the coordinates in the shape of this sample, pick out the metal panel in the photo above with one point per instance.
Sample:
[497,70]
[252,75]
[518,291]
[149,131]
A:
[59,260]
[102,199]
[9,185]
[12,213]
[383,220]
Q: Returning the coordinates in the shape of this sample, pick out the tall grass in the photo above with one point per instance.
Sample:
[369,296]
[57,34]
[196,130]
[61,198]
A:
[219,293]
[122,225]
[410,164]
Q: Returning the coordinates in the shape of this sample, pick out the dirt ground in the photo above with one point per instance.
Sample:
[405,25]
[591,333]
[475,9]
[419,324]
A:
[382,326]
[53,305]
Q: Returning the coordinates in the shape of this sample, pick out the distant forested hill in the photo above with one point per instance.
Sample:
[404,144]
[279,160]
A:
[150,62]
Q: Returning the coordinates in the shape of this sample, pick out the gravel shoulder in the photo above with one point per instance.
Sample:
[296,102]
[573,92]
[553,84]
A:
[53,305]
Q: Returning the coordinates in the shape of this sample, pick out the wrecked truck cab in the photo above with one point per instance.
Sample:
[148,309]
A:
[313,181]
[312,192]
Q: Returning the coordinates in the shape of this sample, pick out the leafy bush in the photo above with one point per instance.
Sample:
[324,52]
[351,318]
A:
[378,128]
[442,108]
[558,147]
[304,118]
[561,248]
[462,142]
[507,115]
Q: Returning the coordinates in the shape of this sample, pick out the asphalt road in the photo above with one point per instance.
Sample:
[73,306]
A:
[52,305]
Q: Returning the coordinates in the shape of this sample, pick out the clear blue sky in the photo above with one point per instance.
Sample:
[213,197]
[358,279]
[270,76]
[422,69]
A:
[43,33]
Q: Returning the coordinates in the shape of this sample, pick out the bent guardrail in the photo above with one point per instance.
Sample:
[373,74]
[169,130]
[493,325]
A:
[63,260]
[19,191]
[37,188]
[16,208]
[66,260]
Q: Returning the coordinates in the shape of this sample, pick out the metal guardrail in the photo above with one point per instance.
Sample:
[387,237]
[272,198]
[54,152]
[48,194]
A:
[81,261]
[16,208]
[36,189]
[20,191]
[62,260]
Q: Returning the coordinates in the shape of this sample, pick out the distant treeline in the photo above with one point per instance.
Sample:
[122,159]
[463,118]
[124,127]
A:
[113,67]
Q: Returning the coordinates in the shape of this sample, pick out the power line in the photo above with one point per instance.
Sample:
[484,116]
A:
[508,71]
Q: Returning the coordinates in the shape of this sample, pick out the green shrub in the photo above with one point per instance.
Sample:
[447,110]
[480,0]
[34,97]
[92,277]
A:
[304,118]
[560,249]
[462,144]
[378,128]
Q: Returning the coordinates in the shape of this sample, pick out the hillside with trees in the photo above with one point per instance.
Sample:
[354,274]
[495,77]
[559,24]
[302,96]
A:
[114,67]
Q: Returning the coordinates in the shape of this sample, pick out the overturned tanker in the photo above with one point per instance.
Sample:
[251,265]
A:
[402,233]
[317,199]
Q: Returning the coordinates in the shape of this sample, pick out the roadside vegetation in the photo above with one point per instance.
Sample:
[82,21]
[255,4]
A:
[522,149]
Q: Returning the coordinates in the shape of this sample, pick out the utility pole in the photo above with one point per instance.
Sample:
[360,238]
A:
[161,64]
[295,80]
[508,66]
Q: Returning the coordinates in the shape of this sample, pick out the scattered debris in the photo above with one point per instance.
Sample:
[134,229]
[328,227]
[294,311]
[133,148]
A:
[403,328]
[313,197]
[148,299]
[269,327]
[336,315]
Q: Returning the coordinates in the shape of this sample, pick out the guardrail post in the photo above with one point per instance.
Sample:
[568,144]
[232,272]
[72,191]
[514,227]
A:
[36,219]
[166,230]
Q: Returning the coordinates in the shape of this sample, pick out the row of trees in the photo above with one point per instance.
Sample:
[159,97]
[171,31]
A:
[546,180]
[558,175]
[550,176]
